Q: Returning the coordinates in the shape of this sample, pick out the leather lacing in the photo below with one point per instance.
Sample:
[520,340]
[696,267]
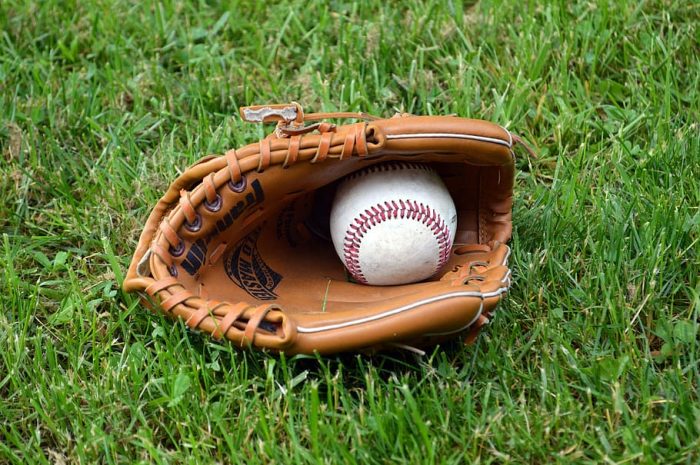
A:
[471,271]
[354,141]
[227,316]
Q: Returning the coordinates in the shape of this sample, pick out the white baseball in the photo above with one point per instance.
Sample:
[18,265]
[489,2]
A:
[393,223]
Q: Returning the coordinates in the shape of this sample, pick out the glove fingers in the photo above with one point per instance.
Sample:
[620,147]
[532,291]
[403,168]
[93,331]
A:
[222,251]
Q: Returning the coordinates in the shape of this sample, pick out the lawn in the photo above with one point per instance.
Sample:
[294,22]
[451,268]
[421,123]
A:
[592,358]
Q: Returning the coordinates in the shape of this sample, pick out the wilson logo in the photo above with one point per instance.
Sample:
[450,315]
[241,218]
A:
[247,269]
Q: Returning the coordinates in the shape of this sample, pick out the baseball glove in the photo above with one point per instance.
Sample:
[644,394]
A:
[238,247]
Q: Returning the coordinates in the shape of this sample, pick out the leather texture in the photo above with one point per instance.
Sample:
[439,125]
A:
[238,247]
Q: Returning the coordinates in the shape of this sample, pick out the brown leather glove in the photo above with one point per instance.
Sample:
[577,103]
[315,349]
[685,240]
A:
[238,246]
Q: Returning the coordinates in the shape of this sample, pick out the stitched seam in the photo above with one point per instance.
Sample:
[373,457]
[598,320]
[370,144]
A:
[396,311]
[394,209]
[448,135]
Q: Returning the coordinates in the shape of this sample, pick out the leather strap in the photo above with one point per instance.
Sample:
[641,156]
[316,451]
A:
[294,113]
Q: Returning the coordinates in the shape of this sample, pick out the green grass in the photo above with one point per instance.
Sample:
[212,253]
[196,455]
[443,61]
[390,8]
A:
[594,356]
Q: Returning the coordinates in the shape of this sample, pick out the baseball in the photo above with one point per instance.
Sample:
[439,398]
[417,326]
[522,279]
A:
[393,223]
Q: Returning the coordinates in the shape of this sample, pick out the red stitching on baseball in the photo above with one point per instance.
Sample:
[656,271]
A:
[381,212]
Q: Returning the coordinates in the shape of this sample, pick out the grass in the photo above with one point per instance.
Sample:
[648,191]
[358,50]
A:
[594,356]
